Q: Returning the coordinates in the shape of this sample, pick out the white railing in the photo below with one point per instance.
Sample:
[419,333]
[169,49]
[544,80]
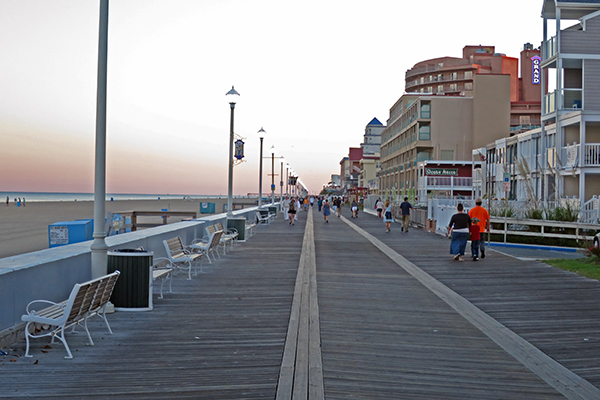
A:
[592,155]
[590,211]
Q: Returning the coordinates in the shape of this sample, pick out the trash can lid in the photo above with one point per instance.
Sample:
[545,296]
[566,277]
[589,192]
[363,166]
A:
[130,252]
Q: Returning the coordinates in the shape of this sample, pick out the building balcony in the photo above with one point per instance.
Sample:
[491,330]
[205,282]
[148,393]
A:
[569,156]
[549,48]
[446,182]
[571,99]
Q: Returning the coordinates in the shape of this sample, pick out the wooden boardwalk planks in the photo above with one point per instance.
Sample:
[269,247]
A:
[219,336]
[387,336]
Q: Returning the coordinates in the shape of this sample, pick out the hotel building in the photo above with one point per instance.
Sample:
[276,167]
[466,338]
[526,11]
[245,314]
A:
[563,155]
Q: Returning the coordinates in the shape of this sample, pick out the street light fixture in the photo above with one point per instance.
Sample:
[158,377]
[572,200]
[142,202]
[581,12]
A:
[281,161]
[232,100]
[260,171]
[272,175]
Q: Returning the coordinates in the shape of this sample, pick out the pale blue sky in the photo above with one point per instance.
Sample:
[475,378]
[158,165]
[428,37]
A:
[312,73]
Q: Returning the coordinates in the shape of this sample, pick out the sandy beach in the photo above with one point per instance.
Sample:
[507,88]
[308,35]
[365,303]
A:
[25,229]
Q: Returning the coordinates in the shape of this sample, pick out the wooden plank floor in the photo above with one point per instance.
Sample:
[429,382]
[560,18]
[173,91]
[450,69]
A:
[555,310]
[219,336]
[384,335]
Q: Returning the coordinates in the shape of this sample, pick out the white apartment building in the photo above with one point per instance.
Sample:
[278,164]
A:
[563,156]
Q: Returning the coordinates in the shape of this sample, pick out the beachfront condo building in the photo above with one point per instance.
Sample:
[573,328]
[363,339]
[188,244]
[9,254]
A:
[562,157]
[427,126]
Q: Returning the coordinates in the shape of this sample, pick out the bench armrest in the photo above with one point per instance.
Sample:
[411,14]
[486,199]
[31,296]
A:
[32,312]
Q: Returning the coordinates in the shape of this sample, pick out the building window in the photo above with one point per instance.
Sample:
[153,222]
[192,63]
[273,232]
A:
[440,89]
[426,110]
[468,74]
[453,87]
[447,155]
[440,77]
[425,132]
[422,80]
[429,89]
[453,76]
[468,85]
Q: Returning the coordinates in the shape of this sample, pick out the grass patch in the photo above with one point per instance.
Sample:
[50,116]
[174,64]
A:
[588,267]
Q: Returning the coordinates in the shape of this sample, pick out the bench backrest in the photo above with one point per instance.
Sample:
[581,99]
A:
[210,229]
[174,247]
[90,295]
[219,226]
[215,239]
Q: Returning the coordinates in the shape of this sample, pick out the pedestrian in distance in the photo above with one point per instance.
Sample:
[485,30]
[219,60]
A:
[286,208]
[388,216]
[339,206]
[405,207]
[379,208]
[292,211]
[7,201]
[484,223]
[320,203]
[475,237]
[326,211]
[458,229]
[354,208]
[298,208]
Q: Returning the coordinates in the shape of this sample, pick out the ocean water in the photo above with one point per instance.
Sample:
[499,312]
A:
[44,196]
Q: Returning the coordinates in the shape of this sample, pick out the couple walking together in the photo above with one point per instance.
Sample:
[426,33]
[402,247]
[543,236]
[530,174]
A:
[388,213]
[461,225]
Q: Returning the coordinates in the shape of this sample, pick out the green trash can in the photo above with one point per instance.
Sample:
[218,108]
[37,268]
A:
[239,224]
[133,291]
[273,210]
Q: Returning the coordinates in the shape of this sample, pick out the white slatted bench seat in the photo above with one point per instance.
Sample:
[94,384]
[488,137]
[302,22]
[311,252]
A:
[210,229]
[266,219]
[230,234]
[250,227]
[86,300]
[209,245]
[163,269]
[180,256]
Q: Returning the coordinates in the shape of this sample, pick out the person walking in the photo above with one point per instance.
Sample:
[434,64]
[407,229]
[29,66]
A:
[458,229]
[475,237]
[388,216]
[354,208]
[379,208]
[286,208]
[7,201]
[484,222]
[339,206]
[405,207]
[292,211]
[326,211]
[298,208]
[320,203]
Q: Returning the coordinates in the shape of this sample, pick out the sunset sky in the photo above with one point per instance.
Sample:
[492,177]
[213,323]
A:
[312,73]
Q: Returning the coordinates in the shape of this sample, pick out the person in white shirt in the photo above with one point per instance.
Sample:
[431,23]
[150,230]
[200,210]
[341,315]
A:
[286,207]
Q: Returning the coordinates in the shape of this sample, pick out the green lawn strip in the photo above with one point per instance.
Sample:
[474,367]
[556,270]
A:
[588,267]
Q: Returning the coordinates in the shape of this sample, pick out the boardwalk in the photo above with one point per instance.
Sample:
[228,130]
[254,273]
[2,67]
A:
[395,316]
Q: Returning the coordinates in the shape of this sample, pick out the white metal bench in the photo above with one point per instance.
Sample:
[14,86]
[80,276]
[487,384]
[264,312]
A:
[86,300]
[264,219]
[223,241]
[250,228]
[209,245]
[180,256]
[163,270]
[230,234]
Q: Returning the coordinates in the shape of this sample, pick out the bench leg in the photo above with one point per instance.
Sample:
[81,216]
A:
[91,343]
